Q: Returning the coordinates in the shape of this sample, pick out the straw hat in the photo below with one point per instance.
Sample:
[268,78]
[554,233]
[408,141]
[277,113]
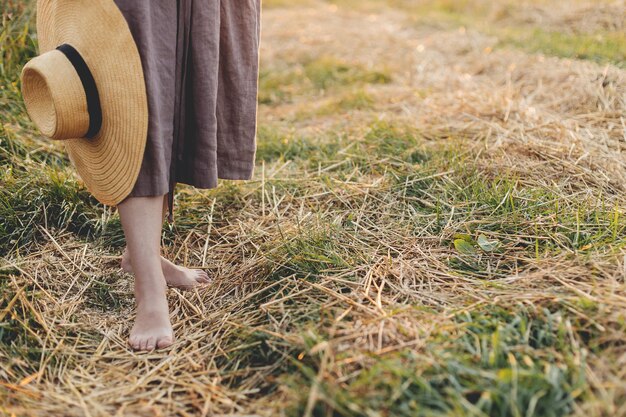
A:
[87,89]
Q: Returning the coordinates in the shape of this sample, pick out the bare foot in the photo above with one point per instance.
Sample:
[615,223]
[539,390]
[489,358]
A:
[152,328]
[175,275]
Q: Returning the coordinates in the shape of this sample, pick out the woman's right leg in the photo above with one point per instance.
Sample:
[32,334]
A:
[175,275]
[142,222]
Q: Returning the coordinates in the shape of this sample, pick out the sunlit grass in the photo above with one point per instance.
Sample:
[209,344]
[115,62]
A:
[609,47]
[605,45]
[315,76]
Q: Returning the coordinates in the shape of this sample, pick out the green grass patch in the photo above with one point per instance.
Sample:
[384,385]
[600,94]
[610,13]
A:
[608,47]
[492,362]
[314,75]
[19,150]
[312,253]
[47,197]
[105,296]
[499,19]
[276,144]
[376,148]
[327,71]
[401,142]
[278,86]
[542,219]
[20,341]
[18,45]
[353,100]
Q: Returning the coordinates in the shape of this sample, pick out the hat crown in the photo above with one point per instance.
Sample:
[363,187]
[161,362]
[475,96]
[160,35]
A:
[54,95]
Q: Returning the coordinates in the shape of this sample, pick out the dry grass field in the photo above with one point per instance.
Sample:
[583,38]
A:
[436,227]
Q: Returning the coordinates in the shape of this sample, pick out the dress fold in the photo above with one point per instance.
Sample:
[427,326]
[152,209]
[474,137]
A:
[201,61]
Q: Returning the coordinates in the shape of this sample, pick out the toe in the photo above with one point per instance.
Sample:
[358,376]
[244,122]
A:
[137,346]
[202,277]
[132,341]
[150,343]
[164,342]
[143,344]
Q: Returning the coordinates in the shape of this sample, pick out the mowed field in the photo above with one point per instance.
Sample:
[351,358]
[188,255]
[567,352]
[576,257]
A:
[436,227]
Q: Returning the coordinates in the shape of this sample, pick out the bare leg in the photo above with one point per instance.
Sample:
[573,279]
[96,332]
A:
[142,222]
[175,275]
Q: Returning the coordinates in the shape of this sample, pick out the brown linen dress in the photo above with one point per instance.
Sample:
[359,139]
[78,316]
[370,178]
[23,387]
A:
[200,60]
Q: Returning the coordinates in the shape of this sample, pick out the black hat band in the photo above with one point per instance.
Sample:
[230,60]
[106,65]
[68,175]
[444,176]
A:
[89,85]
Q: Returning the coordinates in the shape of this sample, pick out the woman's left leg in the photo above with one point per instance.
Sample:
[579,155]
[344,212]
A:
[142,222]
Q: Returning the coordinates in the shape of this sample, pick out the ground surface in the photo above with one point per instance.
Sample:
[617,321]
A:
[436,227]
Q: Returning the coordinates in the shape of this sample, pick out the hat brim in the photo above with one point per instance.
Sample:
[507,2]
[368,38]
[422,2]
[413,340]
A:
[108,163]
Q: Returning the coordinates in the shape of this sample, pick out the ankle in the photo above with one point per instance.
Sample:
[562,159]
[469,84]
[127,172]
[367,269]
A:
[149,282]
[153,292]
